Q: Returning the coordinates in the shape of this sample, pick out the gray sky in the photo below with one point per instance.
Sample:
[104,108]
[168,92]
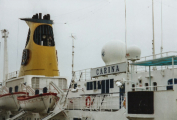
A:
[93,23]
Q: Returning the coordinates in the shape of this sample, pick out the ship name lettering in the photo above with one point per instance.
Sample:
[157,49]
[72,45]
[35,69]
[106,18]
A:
[105,70]
[112,69]
[117,68]
[101,72]
[97,71]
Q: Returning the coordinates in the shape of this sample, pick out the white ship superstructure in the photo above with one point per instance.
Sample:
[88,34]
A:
[127,87]
[152,93]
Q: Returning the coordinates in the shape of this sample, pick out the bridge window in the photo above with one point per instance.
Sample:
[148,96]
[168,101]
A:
[99,84]
[111,83]
[43,35]
[89,85]
[94,85]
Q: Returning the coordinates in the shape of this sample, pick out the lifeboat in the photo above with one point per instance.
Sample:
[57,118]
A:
[9,101]
[41,103]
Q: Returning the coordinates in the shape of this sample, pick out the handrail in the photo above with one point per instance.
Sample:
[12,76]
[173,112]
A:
[28,89]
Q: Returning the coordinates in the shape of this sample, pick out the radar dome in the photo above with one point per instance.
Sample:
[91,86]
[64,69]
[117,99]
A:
[113,52]
[133,53]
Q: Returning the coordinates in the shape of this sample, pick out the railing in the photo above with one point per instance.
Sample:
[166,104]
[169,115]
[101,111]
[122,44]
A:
[110,102]
[83,75]
[12,75]
[152,88]
[160,55]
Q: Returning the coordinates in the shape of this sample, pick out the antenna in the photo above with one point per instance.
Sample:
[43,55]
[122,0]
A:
[73,38]
[5,69]
[161,32]
[153,43]
[125,28]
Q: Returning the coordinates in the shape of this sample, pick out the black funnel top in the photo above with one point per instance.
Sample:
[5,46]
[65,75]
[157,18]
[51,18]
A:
[38,19]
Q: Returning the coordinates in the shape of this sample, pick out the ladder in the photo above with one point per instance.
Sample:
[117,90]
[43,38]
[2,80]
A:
[60,104]
[56,88]
[28,89]
[18,116]
[52,114]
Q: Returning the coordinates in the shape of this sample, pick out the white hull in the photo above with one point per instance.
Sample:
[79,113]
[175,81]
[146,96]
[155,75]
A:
[9,101]
[39,103]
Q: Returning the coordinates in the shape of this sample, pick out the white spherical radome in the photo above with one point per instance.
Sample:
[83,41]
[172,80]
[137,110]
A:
[113,52]
[134,52]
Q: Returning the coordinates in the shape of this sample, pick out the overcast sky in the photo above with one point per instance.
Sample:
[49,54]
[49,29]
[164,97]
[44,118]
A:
[93,23]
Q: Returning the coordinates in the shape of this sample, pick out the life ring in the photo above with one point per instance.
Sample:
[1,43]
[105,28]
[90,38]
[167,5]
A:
[88,101]
[124,102]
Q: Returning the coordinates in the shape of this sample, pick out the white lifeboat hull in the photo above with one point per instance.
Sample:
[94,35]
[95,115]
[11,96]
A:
[41,103]
[9,101]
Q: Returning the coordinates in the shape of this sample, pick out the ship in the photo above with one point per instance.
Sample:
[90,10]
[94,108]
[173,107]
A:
[127,87]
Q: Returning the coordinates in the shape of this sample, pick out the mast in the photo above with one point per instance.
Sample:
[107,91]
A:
[73,38]
[5,68]
[125,28]
[153,43]
[161,32]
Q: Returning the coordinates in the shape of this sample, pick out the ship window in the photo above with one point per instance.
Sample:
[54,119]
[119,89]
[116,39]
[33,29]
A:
[140,81]
[75,86]
[133,85]
[43,35]
[111,83]
[155,86]
[36,92]
[16,88]
[107,86]
[45,90]
[28,37]
[10,90]
[99,84]
[89,85]
[94,85]
[146,84]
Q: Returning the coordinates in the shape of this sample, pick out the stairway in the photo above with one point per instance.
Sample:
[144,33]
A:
[57,88]
[60,104]
[52,114]
[18,116]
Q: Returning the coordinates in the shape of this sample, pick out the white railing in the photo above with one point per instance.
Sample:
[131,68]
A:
[152,88]
[12,75]
[160,55]
[82,75]
[98,102]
